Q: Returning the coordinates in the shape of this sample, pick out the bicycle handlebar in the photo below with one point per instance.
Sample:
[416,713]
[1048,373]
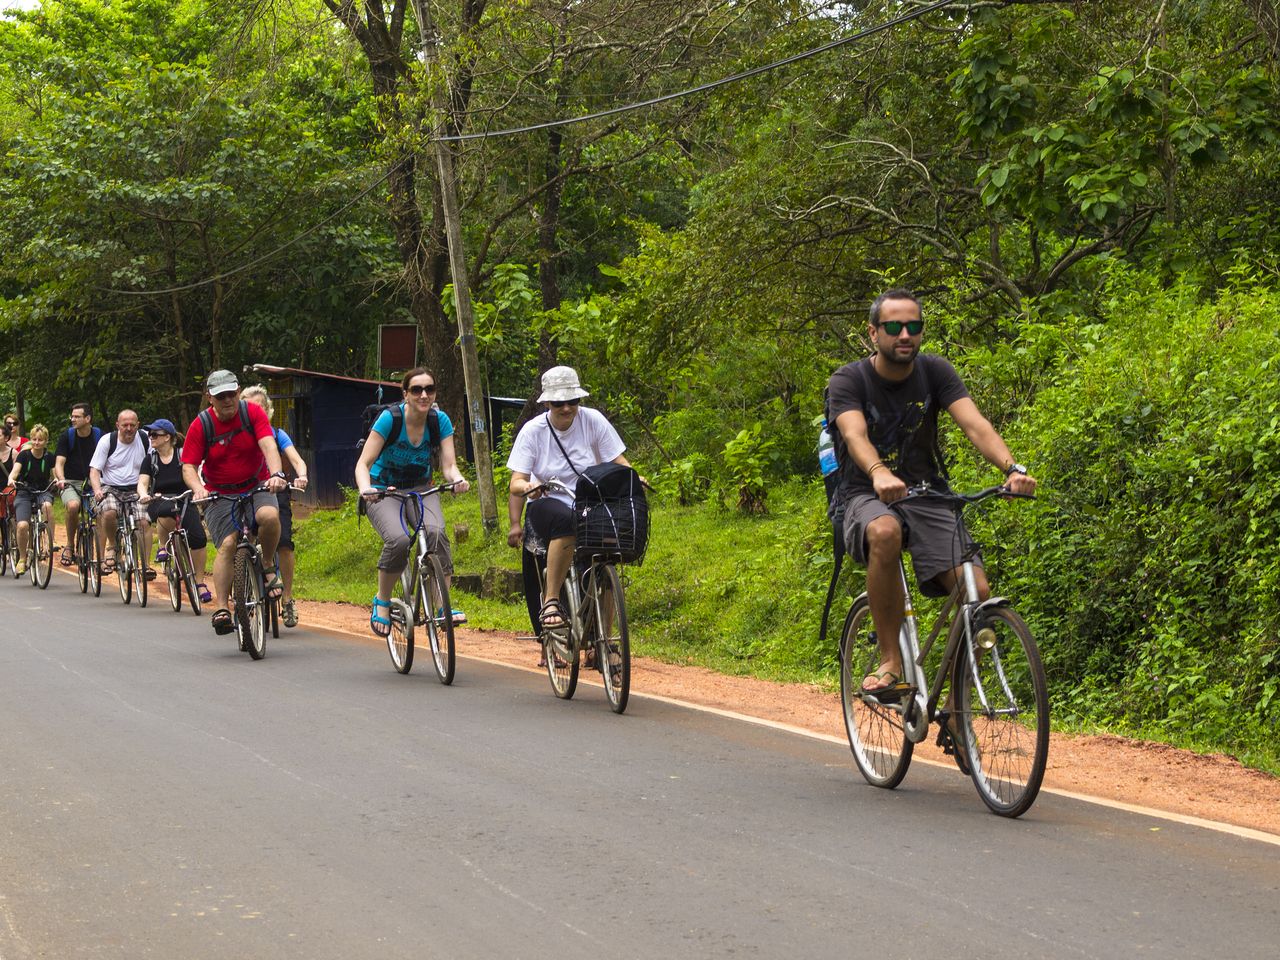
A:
[924,491]
[406,495]
[261,488]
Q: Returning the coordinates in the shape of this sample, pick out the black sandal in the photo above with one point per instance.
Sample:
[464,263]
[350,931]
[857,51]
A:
[222,622]
[551,609]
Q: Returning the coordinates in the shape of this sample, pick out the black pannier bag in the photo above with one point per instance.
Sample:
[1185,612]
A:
[611,514]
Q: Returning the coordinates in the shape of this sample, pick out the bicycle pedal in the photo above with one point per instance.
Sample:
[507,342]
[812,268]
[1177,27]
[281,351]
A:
[894,694]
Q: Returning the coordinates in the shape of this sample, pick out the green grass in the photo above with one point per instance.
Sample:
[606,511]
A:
[736,594]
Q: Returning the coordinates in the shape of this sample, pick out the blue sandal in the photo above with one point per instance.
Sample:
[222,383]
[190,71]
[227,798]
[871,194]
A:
[381,626]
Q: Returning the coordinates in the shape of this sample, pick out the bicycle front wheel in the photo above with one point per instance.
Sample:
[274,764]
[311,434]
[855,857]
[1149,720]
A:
[250,607]
[4,545]
[139,568]
[173,577]
[1002,713]
[609,633]
[437,614]
[124,566]
[42,553]
[82,559]
[181,553]
[12,526]
[879,742]
[94,564]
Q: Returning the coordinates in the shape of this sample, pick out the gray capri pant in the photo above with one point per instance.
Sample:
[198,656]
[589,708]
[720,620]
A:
[385,515]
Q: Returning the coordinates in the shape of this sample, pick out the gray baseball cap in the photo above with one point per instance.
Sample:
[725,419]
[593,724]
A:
[221,381]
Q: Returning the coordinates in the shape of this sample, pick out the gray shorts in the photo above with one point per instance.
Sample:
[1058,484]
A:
[221,522]
[73,491]
[932,534]
[24,502]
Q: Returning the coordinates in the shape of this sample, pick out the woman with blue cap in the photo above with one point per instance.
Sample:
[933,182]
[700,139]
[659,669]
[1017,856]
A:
[161,473]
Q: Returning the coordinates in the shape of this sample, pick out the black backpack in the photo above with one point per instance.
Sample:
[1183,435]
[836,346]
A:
[207,428]
[370,416]
[115,442]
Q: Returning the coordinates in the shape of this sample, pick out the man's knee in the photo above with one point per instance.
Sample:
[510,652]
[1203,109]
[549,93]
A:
[228,542]
[884,537]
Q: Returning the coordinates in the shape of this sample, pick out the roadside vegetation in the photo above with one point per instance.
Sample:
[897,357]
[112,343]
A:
[1084,194]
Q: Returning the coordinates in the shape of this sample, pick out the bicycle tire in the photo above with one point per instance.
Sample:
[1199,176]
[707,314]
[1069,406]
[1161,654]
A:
[42,553]
[173,577]
[437,616]
[877,737]
[4,545]
[124,565]
[82,561]
[613,648]
[139,568]
[1007,744]
[186,568]
[94,565]
[400,639]
[12,525]
[250,622]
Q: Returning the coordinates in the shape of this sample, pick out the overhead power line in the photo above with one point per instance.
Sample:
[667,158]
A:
[551,124]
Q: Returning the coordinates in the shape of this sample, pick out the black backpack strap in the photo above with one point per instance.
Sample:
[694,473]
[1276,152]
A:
[563,451]
[397,424]
[433,428]
[245,422]
[206,427]
[113,443]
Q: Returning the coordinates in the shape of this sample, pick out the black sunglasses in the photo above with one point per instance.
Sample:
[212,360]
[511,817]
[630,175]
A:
[894,327]
[418,390]
[563,403]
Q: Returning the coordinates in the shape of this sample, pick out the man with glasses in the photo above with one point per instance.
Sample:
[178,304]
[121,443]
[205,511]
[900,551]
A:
[885,408]
[76,447]
[559,445]
[231,449]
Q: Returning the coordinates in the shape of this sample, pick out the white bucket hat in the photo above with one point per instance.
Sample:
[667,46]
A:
[561,383]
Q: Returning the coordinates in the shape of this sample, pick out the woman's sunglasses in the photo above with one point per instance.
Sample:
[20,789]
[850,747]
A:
[418,390]
[894,327]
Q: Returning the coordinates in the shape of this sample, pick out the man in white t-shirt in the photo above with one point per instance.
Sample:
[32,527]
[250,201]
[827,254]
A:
[559,445]
[113,474]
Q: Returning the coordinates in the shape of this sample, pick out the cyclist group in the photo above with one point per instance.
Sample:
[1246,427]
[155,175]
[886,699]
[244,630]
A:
[884,408]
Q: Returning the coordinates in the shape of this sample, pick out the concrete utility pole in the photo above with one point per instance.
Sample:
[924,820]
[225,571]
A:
[446,167]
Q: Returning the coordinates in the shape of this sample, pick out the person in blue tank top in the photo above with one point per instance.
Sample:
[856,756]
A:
[397,455]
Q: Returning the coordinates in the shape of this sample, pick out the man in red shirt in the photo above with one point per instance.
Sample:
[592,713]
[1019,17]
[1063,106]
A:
[239,456]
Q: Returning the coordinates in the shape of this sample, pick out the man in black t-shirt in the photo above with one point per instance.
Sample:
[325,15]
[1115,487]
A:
[885,408]
[71,467]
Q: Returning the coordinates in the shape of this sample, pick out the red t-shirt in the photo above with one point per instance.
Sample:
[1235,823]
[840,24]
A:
[234,461]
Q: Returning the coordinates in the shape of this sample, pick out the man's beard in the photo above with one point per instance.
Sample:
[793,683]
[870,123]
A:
[890,356]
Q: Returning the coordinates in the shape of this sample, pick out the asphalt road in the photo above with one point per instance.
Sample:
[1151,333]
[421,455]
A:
[163,796]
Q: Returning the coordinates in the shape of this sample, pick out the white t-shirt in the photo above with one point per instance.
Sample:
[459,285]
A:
[123,466]
[589,441]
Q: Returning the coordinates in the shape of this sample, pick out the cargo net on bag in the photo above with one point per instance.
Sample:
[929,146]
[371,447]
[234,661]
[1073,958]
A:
[615,526]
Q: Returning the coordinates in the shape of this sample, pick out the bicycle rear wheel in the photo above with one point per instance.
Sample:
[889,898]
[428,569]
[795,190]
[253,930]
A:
[437,615]
[880,745]
[1007,740]
[173,577]
[609,633]
[41,552]
[250,607]
[139,568]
